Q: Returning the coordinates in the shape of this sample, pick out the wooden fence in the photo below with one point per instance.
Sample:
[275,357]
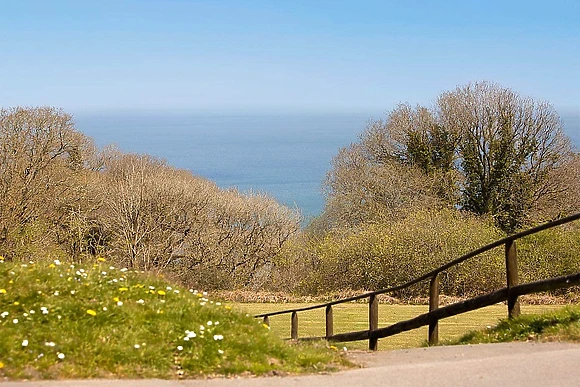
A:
[510,294]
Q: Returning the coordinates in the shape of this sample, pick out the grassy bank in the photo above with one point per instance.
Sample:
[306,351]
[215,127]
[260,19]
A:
[557,325]
[69,321]
[353,317]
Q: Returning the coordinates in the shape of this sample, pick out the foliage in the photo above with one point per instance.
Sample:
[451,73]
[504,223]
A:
[382,255]
[58,193]
[482,148]
[560,325]
[375,256]
[84,321]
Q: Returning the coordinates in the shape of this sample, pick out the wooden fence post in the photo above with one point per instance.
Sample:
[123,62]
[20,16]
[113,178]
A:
[294,330]
[373,321]
[329,321]
[266,320]
[511,265]
[433,305]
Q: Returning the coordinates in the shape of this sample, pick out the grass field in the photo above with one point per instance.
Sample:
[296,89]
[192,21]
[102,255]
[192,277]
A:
[354,317]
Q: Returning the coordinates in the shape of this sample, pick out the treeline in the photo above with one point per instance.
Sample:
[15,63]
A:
[419,188]
[60,197]
[429,184]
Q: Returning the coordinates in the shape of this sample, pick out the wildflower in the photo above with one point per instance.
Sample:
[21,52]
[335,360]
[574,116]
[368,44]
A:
[15,321]
[2,291]
[44,310]
[161,292]
[152,287]
[57,262]
[103,273]
[52,265]
[104,308]
[1,364]
[31,311]
[72,292]
[218,337]
[123,289]
[141,301]
[4,314]
[220,351]
[218,303]
[16,303]
[333,348]
[169,288]
[49,344]
[60,355]
[101,259]
[56,293]
[179,348]
[1,258]
[190,334]
[176,291]
[119,303]
[91,312]
[137,346]
[209,323]
[25,343]
[116,299]
[124,269]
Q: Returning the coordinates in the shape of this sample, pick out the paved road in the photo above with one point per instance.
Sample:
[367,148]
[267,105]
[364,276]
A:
[511,364]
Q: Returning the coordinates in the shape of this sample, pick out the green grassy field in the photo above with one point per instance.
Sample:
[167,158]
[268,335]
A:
[354,317]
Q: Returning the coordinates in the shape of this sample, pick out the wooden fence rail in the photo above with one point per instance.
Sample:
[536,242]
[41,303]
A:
[510,294]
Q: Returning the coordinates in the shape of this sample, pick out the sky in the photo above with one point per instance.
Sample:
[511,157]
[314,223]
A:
[282,55]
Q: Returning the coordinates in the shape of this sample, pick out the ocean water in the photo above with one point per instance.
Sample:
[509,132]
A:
[286,156]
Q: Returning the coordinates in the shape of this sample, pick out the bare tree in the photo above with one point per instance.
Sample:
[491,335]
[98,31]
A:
[40,152]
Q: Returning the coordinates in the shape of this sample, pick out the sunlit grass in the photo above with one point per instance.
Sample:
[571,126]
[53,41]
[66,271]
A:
[557,325]
[61,320]
[354,317]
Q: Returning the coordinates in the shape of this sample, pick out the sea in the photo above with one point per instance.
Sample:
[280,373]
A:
[286,156]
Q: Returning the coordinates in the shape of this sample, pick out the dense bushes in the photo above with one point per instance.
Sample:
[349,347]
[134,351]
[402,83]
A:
[382,255]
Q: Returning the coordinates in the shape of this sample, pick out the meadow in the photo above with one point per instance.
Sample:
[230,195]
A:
[354,317]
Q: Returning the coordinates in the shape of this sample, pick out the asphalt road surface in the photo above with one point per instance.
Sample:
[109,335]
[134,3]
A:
[509,364]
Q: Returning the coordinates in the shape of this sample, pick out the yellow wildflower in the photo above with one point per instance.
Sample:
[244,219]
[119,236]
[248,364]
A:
[123,289]
[52,265]
[101,259]
[161,292]
[91,312]
[1,364]
[333,348]
[1,258]
[116,299]
[2,291]
[16,303]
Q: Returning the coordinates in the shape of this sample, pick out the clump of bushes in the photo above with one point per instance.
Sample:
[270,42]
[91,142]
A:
[376,256]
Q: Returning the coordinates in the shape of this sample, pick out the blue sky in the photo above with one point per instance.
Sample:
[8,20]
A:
[314,55]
